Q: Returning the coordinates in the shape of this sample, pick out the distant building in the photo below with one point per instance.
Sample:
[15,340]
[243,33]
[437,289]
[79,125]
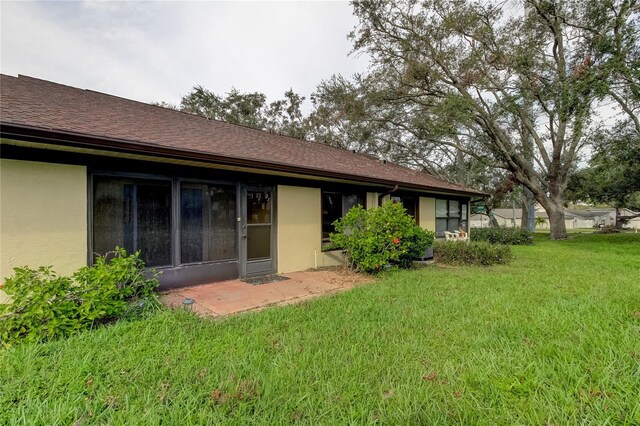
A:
[574,218]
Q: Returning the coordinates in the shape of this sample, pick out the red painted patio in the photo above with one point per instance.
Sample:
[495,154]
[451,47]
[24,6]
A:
[230,297]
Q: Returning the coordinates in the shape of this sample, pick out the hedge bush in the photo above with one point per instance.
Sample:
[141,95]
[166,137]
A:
[471,253]
[381,238]
[508,236]
[46,306]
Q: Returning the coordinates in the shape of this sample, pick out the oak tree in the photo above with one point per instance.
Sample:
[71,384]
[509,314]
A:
[517,81]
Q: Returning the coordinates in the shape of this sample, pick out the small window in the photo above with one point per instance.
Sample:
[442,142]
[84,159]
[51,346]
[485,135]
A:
[454,209]
[441,208]
[464,216]
[334,206]
[451,215]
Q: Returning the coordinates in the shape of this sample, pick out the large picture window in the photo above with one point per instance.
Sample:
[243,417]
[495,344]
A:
[334,206]
[134,214]
[451,215]
[207,222]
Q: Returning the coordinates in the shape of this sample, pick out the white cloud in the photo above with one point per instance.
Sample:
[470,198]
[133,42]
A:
[158,51]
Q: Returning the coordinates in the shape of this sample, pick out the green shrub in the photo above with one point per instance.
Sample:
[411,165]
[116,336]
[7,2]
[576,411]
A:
[46,306]
[540,221]
[508,236]
[373,239]
[331,247]
[472,253]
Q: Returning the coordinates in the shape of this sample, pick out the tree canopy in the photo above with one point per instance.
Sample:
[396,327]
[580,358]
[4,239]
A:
[613,174]
[248,109]
[499,95]
[512,83]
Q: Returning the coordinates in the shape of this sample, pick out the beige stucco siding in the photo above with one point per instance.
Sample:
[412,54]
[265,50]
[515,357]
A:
[331,258]
[427,213]
[43,216]
[372,200]
[299,228]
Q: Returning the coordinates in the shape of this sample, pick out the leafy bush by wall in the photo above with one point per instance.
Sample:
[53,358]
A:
[509,236]
[47,306]
[472,253]
[330,247]
[373,239]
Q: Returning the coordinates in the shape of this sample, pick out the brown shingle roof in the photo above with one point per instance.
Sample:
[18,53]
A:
[38,104]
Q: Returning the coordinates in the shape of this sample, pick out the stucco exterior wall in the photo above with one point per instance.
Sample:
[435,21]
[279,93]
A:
[43,216]
[299,228]
[427,213]
[372,200]
[331,258]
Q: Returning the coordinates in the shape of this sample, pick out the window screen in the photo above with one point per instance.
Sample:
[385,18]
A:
[207,222]
[134,214]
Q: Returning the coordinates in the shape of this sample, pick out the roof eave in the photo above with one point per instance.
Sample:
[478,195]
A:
[73,139]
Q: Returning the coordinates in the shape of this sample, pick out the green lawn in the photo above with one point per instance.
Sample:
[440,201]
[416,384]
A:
[553,338]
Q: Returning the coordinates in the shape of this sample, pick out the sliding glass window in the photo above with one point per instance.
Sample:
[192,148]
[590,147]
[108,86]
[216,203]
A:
[207,222]
[334,206]
[134,214]
[451,215]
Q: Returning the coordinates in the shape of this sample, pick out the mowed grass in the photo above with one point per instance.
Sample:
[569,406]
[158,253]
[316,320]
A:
[553,338]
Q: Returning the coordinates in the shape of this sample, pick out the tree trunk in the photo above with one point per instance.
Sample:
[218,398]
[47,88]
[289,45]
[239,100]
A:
[528,210]
[556,221]
[552,204]
[493,222]
[524,222]
[461,169]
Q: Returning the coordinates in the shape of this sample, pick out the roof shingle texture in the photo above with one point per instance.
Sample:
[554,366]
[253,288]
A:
[43,104]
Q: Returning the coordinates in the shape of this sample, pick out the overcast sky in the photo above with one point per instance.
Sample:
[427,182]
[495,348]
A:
[157,51]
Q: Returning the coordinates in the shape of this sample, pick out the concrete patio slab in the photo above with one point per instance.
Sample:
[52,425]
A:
[230,297]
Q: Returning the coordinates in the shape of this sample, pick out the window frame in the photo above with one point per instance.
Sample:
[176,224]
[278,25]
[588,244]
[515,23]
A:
[135,177]
[270,224]
[344,195]
[461,203]
[178,228]
[175,219]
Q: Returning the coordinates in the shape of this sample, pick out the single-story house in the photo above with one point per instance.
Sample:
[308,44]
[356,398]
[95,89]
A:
[573,218]
[606,216]
[634,218]
[506,218]
[585,218]
[203,200]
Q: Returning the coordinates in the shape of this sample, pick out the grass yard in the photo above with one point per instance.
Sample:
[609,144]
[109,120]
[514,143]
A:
[553,338]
